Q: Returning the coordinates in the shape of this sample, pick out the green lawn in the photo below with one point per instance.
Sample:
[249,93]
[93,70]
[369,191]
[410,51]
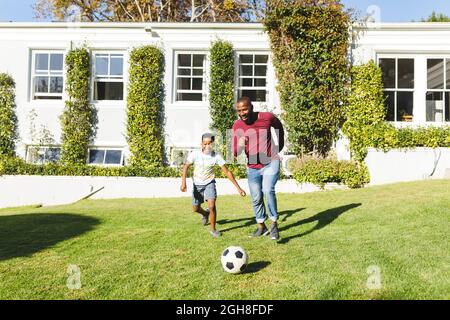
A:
[157,248]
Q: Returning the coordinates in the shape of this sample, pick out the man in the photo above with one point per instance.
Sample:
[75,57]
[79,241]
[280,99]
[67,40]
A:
[252,134]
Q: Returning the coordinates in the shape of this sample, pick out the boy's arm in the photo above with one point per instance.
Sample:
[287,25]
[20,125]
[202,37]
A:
[230,176]
[183,177]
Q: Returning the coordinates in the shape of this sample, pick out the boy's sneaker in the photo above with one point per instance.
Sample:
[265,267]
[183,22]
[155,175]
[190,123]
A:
[205,218]
[260,232]
[274,234]
[215,233]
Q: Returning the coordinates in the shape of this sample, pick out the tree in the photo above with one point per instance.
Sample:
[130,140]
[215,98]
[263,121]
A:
[144,10]
[436,17]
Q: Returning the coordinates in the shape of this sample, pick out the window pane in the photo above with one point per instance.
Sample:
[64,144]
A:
[101,65]
[41,61]
[254,95]
[113,156]
[108,91]
[260,82]
[388,70]
[96,156]
[117,66]
[184,60]
[197,72]
[448,73]
[435,106]
[406,73]
[245,82]
[405,106]
[197,84]
[41,84]
[184,84]
[246,58]
[435,73]
[447,106]
[52,154]
[56,84]
[184,72]
[261,58]
[56,62]
[246,71]
[389,103]
[260,71]
[189,97]
[198,60]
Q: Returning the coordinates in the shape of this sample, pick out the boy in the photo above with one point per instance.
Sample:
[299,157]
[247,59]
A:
[204,183]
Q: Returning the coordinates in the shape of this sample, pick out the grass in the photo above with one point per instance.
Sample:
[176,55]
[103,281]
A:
[157,248]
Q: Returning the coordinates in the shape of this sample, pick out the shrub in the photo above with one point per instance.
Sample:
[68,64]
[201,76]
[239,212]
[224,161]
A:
[8,118]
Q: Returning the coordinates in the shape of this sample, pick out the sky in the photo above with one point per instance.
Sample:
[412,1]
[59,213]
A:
[382,10]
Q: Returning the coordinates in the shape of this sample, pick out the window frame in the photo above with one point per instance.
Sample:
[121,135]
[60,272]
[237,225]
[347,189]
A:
[38,148]
[103,164]
[253,64]
[108,78]
[33,75]
[205,78]
[444,90]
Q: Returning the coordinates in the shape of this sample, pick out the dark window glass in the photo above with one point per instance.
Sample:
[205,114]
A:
[447,67]
[56,84]
[189,97]
[435,73]
[389,103]
[404,106]
[260,71]
[184,83]
[184,60]
[435,106]
[388,70]
[246,71]
[254,95]
[53,154]
[197,72]
[41,84]
[260,82]
[113,156]
[184,72]
[406,73]
[261,58]
[447,106]
[197,84]
[198,60]
[96,156]
[245,82]
[108,91]
[245,58]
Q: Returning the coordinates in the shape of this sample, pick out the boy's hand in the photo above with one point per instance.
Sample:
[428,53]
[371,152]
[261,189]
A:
[242,192]
[183,187]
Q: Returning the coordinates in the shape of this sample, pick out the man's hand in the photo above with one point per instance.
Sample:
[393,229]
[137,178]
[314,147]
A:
[183,187]
[242,192]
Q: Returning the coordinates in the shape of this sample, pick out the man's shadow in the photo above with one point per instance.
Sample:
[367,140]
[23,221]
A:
[283,216]
[323,219]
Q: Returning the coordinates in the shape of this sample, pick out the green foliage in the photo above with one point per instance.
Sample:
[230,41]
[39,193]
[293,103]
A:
[320,171]
[436,17]
[309,42]
[365,110]
[145,133]
[221,90]
[79,118]
[8,118]
[18,166]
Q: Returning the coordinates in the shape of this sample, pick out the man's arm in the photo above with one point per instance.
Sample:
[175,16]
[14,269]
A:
[230,176]
[277,125]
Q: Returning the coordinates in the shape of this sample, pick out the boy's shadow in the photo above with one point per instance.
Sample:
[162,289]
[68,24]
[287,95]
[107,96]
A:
[323,219]
[283,215]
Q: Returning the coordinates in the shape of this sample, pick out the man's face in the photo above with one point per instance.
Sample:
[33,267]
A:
[244,110]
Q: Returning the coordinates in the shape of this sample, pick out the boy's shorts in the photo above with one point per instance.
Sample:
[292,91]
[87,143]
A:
[202,193]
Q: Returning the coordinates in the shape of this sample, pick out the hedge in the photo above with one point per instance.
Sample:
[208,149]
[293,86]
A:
[8,118]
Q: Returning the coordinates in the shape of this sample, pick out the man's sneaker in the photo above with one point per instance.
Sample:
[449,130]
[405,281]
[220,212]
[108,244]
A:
[215,233]
[274,234]
[205,218]
[260,232]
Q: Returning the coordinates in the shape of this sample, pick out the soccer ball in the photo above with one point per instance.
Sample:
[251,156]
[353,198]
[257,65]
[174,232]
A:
[234,259]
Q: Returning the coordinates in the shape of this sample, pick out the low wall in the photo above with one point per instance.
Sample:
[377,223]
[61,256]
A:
[54,190]
[408,165]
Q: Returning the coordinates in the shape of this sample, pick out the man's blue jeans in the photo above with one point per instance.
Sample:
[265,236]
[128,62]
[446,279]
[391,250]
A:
[262,183]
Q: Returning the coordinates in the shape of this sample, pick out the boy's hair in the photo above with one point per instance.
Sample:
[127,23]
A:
[208,136]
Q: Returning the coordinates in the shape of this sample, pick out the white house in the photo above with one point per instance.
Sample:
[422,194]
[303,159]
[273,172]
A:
[415,58]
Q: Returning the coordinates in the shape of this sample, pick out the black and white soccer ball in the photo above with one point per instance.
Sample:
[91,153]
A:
[234,259]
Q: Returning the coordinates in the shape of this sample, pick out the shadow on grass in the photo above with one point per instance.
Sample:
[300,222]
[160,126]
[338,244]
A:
[256,266]
[25,234]
[323,219]
[283,215]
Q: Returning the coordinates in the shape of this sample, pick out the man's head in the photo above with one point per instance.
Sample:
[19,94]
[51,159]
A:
[207,143]
[244,109]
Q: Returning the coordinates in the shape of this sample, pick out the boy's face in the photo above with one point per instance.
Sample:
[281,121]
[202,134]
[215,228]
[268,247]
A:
[207,145]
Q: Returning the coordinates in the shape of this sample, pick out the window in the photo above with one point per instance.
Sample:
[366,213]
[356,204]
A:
[438,90]
[190,80]
[42,155]
[108,77]
[106,157]
[252,80]
[47,75]
[398,81]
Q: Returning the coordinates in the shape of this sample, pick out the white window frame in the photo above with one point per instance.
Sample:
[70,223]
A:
[396,89]
[122,149]
[108,78]
[444,90]
[205,82]
[33,94]
[175,149]
[238,75]
[39,147]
